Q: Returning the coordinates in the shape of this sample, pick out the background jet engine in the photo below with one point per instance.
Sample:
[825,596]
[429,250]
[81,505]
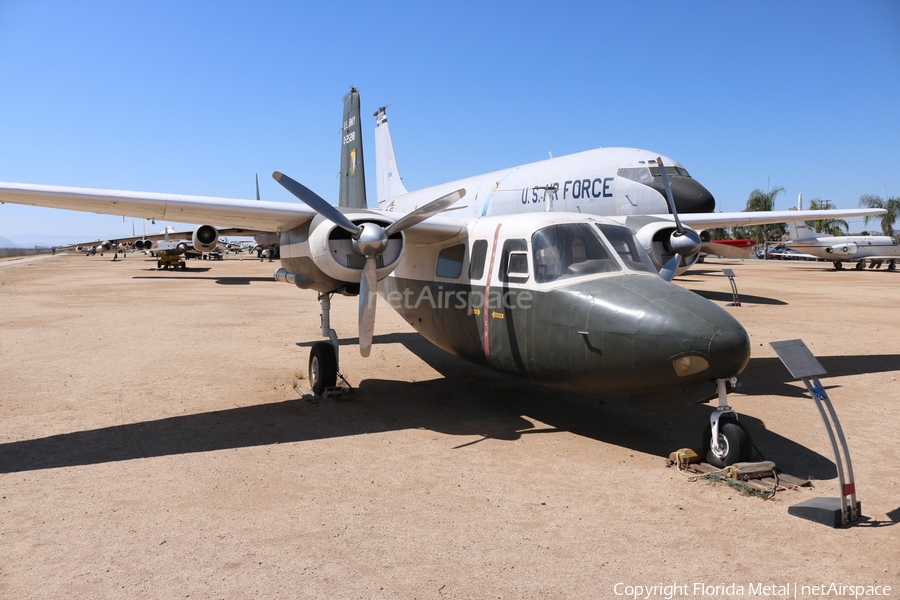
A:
[848,249]
[143,244]
[205,238]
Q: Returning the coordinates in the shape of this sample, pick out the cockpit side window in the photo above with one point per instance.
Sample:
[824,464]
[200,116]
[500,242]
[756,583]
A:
[623,242]
[639,174]
[569,250]
[514,261]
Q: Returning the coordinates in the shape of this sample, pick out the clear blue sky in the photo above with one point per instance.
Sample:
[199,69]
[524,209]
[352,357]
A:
[197,97]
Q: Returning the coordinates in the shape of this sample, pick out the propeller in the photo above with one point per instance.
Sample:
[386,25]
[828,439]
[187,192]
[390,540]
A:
[684,243]
[370,240]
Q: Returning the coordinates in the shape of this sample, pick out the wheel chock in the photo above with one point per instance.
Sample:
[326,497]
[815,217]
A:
[684,457]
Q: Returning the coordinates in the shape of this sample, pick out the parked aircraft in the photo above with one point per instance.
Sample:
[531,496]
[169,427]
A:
[520,277]
[861,249]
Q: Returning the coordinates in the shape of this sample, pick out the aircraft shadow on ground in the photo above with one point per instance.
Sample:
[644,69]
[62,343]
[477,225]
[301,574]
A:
[743,298]
[219,280]
[467,402]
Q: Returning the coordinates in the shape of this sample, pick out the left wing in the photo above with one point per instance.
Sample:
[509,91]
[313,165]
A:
[244,217]
[257,215]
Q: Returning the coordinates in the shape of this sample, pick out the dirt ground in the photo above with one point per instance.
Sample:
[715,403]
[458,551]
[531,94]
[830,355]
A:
[152,445]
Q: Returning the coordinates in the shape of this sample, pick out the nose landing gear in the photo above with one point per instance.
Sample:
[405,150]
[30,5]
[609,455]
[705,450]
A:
[726,441]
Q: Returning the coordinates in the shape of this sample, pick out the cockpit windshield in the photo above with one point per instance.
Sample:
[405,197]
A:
[623,242]
[671,171]
[570,250]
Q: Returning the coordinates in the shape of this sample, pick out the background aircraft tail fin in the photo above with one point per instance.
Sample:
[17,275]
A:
[387,175]
[800,230]
[353,174]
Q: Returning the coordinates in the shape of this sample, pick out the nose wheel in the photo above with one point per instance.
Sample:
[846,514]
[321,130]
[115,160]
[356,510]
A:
[726,441]
[733,443]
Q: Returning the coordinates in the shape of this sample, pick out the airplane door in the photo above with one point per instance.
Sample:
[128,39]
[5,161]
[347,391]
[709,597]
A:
[505,317]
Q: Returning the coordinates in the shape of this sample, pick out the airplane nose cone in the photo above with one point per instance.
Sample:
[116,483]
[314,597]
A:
[689,194]
[664,336]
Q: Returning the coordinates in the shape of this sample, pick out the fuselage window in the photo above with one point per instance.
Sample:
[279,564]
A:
[514,261]
[476,261]
[623,242]
[569,250]
[450,261]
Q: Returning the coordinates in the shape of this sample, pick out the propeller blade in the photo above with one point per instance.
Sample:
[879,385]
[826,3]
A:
[665,177]
[368,296]
[670,268]
[316,202]
[424,212]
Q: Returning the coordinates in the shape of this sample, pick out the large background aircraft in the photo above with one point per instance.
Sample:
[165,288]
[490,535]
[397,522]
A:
[875,250]
[523,275]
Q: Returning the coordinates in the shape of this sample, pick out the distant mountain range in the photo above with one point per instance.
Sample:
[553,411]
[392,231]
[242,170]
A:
[32,240]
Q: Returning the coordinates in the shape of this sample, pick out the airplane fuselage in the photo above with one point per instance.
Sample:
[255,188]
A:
[604,181]
[548,300]
[848,247]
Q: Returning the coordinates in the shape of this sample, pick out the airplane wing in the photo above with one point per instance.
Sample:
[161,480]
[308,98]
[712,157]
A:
[243,217]
[257,215]
[737,219]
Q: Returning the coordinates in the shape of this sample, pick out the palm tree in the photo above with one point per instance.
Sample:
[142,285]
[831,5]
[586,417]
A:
[827,226]
[891,205]
[760,200]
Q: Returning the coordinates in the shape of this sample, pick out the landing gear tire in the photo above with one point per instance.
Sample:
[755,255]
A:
[891,266]
[838,265]
[322,367]
[159,264]
[734,443]
[860,266]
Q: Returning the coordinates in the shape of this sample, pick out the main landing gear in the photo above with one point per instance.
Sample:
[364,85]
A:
[726,441]
[323,356]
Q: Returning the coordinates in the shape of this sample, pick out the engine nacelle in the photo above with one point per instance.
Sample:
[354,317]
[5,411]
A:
[848,249]
[321,256]
[143,244]
[655,236]
[205,238]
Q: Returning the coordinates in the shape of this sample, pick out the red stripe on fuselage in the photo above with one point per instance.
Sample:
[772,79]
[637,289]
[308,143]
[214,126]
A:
[485,313]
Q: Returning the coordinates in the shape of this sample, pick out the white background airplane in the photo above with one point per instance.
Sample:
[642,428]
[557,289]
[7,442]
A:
[861,249]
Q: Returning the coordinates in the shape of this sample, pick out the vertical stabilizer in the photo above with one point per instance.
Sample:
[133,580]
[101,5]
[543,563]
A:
[387,175]
[799,229]
[353,175]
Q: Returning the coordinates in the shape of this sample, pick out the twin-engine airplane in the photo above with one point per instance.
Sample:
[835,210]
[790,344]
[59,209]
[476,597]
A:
[861,249]
[514,270]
